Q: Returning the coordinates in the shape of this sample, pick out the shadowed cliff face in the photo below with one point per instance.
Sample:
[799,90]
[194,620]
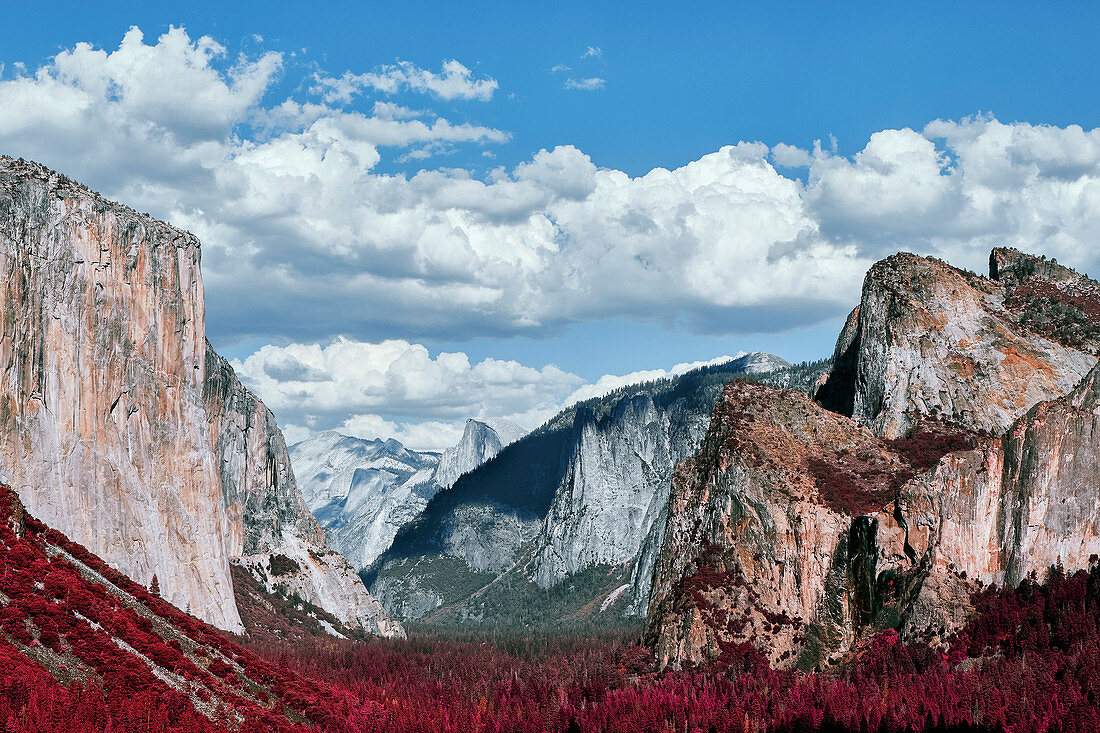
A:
[118,425]
[801,531]
[568,521]
[928,340]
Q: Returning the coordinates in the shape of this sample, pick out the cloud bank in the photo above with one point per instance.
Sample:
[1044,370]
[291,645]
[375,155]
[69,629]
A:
[307,239]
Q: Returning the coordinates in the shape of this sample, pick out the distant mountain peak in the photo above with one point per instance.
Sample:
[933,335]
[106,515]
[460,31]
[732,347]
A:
[481,440]
[506,430]
[363,491]
[760,362]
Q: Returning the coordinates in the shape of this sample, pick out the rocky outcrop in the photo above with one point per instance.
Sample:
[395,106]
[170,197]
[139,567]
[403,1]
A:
[802,532]
[1034,494]
[1009,508]
[1048,298]
[760,544]
[1052,470]
[118,425]
[481,440]
[273,533]
[363,491]
[931,341]
[258,486]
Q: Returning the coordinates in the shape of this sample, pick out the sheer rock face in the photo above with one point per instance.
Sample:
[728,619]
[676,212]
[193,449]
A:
[1013,506]
[111,424]
[1052,471]
[753,551]
[758,549]
[928,340]
[257,483]
[103,432]
[481,441]
[269,516]
[610,505]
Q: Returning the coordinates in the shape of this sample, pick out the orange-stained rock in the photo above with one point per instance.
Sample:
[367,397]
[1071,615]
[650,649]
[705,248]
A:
[104,431]
[756,548]
[931,341]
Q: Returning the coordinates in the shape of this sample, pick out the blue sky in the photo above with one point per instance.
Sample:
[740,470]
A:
[349,184]
[683,79]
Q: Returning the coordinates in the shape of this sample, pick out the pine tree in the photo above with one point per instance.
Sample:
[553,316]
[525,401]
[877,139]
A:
[154,585]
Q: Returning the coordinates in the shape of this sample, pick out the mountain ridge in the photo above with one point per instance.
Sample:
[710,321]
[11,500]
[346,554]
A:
[495,537]
[363,491]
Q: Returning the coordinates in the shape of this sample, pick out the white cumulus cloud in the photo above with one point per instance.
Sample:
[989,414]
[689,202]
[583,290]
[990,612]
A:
[305,237]
[454,81]
[587,84]
[398,389]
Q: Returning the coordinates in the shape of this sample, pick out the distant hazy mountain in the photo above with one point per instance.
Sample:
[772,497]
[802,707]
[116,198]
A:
[363,491]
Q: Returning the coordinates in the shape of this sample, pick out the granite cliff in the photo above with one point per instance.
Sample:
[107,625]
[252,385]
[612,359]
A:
[931,341]
[959,451]
[481,440]
[122,428]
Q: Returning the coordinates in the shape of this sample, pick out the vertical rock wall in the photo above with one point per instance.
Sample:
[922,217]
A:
[103,432]
[802,532]
[120,426]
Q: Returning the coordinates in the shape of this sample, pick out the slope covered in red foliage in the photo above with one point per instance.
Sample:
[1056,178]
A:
[86,648]
[82,648]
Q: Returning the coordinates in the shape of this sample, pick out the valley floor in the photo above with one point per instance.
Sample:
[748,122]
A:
[1030,661]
